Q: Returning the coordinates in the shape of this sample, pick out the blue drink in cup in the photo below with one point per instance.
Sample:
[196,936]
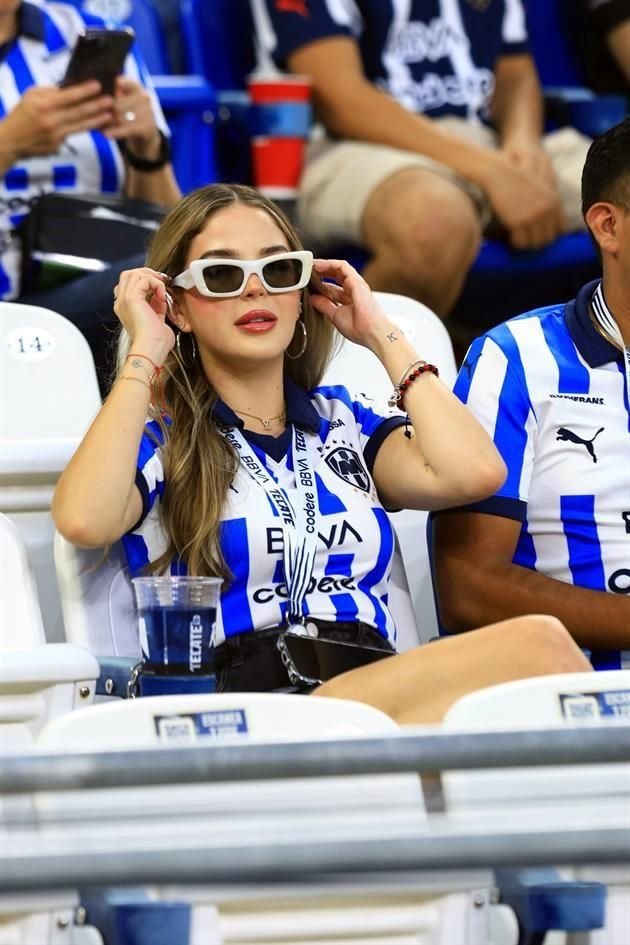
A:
[176,622]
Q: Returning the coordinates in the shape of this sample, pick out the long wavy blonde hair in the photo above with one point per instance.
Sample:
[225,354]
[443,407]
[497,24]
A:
[199,465]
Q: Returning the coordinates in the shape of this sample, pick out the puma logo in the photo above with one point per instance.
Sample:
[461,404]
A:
[565,434]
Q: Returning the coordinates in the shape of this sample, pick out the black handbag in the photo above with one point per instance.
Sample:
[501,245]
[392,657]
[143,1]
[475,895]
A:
[66,235]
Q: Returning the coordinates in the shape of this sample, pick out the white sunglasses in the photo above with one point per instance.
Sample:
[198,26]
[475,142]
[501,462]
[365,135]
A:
[221,278]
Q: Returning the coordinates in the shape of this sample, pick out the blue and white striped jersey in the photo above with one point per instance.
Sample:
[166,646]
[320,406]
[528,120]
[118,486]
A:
[552,393]
[355,537]
[432,56]
[86,163]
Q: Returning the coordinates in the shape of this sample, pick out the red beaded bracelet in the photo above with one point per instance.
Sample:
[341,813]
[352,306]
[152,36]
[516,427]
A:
[420,367]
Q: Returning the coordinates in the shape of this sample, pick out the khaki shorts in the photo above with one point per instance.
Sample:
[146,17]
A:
[340,176]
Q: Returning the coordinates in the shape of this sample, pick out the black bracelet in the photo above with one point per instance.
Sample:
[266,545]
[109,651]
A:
[144,164]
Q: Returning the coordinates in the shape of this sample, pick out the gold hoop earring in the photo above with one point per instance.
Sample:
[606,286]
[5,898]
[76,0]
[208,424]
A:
[178,345]
[294,357]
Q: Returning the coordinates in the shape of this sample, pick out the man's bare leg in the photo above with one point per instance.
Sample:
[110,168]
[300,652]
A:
[424,233]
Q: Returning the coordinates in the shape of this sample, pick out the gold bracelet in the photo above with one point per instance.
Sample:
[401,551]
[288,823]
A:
[124,377]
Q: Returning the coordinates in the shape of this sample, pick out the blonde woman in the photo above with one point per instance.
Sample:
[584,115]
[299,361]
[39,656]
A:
[216,453]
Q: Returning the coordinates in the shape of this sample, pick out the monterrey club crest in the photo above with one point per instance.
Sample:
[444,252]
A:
[346,464]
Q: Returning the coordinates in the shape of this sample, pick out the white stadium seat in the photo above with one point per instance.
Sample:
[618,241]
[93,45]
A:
[362,373]
[38,681]
[393,909]
[593,794]
[48,397]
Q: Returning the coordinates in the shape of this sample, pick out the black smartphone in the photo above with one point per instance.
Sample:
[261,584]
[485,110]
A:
[311,661]
[99,54]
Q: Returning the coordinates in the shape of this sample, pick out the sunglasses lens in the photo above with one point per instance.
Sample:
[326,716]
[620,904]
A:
[223,277]
[283,273]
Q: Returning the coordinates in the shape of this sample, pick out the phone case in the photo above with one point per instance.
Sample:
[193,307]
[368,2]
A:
[99,54]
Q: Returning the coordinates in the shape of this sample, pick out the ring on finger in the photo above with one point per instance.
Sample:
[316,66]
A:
[129,116]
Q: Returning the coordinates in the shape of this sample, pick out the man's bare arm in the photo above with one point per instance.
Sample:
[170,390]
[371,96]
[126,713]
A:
[353,107]
[478,584]
[517,105]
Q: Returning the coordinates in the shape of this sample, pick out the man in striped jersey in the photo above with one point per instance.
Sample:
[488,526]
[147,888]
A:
[433,116]
[67,140]
[553,388]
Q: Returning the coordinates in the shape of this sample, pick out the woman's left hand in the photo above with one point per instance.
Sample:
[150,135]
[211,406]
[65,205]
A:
[134,121]
[350,305]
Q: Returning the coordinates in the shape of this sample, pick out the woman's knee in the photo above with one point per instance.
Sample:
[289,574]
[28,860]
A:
[546,643]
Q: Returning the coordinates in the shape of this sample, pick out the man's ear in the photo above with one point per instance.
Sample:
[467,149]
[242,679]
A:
[602,220]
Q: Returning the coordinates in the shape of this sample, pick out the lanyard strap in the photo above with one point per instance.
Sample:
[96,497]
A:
[299,523]
[606,321]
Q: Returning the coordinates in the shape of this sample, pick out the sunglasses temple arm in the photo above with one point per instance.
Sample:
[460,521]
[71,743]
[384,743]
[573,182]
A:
[183,281]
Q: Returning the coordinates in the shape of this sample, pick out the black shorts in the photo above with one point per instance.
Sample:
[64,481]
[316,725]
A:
[251,662]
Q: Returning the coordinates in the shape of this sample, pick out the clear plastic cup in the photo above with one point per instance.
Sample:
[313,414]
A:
[176,622]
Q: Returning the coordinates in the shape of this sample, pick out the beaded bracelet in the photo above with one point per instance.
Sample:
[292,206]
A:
[412,373]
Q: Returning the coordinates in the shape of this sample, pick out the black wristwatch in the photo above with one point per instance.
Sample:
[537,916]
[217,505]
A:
[144,164]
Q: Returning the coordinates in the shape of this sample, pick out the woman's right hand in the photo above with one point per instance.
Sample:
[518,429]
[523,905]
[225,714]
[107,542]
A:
[141,304]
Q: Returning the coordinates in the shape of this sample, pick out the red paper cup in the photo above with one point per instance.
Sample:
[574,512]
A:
[268,89]
[277,165]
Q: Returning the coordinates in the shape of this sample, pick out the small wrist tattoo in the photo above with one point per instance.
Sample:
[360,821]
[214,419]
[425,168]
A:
[137,363]
[392,336]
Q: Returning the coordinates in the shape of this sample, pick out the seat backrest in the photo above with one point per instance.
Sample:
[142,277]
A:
[48,397]
[97,599]
[218,40]
[129,724]
[552,26]
[48,391]
[20,616]
[360,371]
[544,701]
[38,680]
[231,718]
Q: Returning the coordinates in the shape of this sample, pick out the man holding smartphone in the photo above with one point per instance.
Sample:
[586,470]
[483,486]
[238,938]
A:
[75,140]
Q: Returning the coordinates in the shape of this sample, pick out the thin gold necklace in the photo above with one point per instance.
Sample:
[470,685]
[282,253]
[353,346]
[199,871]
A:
[601,330]
[266,421]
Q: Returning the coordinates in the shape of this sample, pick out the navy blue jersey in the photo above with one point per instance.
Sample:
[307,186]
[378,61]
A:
[432,56]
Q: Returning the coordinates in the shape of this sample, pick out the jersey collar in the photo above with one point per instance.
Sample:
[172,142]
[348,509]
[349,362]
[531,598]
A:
[300,409]
[31,22]
[593,347]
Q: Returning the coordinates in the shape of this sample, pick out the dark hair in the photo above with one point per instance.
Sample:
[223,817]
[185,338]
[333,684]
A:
[606,174]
